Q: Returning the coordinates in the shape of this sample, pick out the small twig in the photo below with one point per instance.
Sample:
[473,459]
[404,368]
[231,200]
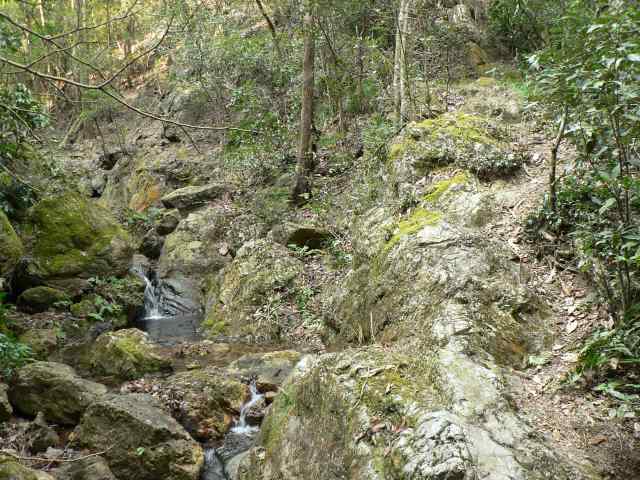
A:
[55,460]
[14,175]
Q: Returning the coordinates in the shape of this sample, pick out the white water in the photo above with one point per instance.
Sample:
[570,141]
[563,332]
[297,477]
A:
[151,300]
[241,426]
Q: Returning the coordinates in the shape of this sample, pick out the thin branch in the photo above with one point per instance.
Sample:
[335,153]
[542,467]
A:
[55,460]
[14,175]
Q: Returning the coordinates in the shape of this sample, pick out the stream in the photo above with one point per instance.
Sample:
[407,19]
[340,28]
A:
[170,328]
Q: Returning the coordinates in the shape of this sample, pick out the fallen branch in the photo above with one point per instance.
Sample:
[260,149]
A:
[55,460]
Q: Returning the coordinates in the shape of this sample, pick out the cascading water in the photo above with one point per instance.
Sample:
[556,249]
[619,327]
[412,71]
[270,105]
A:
[151,298]
[239,439]
[241,426]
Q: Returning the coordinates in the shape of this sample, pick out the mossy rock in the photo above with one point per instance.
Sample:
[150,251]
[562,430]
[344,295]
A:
[93,468]
[12,469]
[74,240]
[42,341]
[193,196]
[269,370]
[209,401]
[260,268]
[140,440]
[301,235]
[54,389]
[125,355]
[40,299]
[11,248]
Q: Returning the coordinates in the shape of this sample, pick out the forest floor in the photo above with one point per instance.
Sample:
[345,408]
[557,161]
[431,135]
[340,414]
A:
[577,421]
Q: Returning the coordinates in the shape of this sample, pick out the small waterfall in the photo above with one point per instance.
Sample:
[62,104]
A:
[213,466]
[241,426]
[151,296]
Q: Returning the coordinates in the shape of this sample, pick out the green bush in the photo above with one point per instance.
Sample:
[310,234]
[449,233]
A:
[13,354]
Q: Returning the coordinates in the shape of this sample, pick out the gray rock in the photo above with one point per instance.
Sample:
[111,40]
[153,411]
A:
[269,370]
[192,197]
[168,222]
[143,442]
[55,389]
[301,235]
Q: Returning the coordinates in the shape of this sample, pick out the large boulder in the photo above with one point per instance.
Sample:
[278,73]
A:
[40,299]
[54,389]
[376,414]
[125,355]
[11,469]
[93,468]
[260,268]
[10,246]
[140,439]
[301,235]
[73,240]
[205,401]
[192,197]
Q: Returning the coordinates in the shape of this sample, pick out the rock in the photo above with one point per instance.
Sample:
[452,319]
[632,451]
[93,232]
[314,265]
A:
[108,160]
[126,355]
[94,468]
[233,465]
[477,56]
[11,469]
[42,341]
[179,295]
[40,299]
[269,370]
[192,197]
[41,436]
[208,400]
[342,408]
[168,222]
[151,246]
[192,250]
[299,235]
[5,407]
[10,246]
[143,442]
[74,240]
[55,389]
[260,268]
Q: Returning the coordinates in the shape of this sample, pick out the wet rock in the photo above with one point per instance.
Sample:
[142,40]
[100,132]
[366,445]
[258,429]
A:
[142,441]
[5,407]
[301,235]
[260,268]
[125,354]
[40,299]
[192,197]
[42,341]
[233,465]
[179,295]
[168,222]
[94,468]
[206,401]
[74,240]
[11,248]
[11,469]
[55,389]
[41,436]
[269,370]
[151,246]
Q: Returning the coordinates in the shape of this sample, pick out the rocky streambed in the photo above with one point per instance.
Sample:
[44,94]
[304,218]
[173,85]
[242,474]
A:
[411,314]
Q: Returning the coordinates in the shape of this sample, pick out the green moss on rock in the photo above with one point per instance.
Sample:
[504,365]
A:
[40,299]
[10,246]
[73,237]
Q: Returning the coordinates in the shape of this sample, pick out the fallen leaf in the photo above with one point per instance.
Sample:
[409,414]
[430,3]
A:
[571,326]
[598,440]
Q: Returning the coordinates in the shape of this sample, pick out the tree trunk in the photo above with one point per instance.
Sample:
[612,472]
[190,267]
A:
[554,161]
[304,168]
[400,72]
[272,29]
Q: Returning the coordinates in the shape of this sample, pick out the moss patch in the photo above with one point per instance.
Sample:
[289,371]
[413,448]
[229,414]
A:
[10,246]
[443,186]
[419,219]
